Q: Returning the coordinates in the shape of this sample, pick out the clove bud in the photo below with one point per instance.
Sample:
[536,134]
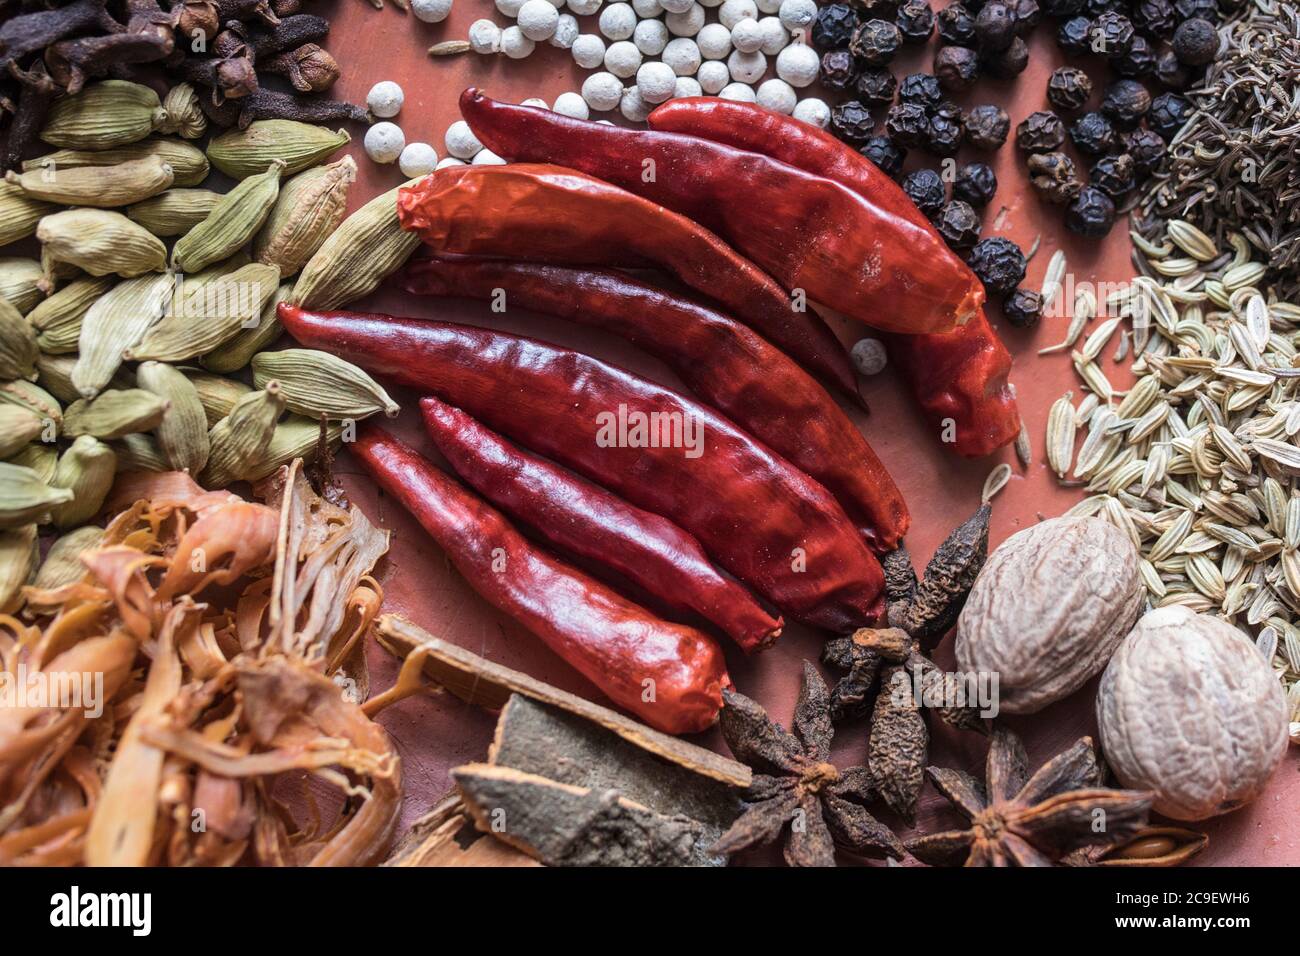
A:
[309,68]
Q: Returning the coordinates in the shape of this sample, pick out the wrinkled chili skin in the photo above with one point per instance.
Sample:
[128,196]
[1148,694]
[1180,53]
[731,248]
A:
[759,517]
[560,216]
[959,376]
[722,361]
[808,232]
[614,643]
[579,518]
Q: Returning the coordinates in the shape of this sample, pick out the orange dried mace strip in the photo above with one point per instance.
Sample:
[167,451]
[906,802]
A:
[227,634]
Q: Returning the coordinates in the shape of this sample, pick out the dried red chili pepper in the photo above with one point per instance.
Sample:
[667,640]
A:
[762,519]
[617,645]
[722,361]
[959,376]
[585,520]
[809,232]
[548,214]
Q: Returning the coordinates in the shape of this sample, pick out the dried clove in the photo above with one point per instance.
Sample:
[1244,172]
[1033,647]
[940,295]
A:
[32,32]
[229,78]
[198,18]
[38,92]
[72,62]
[309,68]
[268,104]
[246,9]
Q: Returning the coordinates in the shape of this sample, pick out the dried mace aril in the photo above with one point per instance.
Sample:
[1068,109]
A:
[987,126]
[1040,131]
[1068,88]
[796,784]
[1053,175]
[876,42]
[1019,820]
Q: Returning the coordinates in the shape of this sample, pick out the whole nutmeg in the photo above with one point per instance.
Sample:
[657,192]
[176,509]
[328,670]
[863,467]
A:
[1190,710]
[1048,609]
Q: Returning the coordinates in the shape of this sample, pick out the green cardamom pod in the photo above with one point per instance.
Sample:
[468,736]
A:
[207,318]
[240,440]
[54,374]
[18,350]
[62,564]
[117,321]
[236,353]
[25,498]
[104,186]
[184,114]
[295,437]
[24,394]
[87,469]
[101,242]
[19,553]
[40,457]
[234,220]
[310,208]
[183,433]
[174,212]
[103,115]
[19,213]
[18,426]
[189,164]
[20,282]
[114,413]
[57,320]
[368,247]
[139,452]
[243,152]
[318,384]
[217,393]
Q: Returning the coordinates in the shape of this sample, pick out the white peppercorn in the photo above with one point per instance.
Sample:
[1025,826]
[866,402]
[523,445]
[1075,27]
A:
[622,58]
[431,11]
[514,44]
[798,64]
[682,56]
[746,36]
[676,6]
[588,51]
[461,141]
[686,24]
[484,37]
[813,111]
[686,86]
[777,95]
[536,100]
[602,91]
[714,41]
[712,76]
[417,159]
[509,8]
[617,21]
[746,67]
[655,82]
[485,157]
[384,142]
[709,3]
[583,8]
[572,104]
[566,31]
[633,106]
[537,19]
[733,11]
[767,6]
[450,161]
[797,14]
[868,355]
[647,9]
[650,37]
[385,99]
[775,37]
[740,92]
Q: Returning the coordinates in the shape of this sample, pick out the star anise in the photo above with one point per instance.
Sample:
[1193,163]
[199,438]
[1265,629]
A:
[909,682]
[797,785]
[1019,820]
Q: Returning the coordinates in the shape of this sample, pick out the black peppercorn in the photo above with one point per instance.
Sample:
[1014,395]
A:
[998,263]
[1068,88]
[1125,103]
[1169,112]
[995,27]
[959,225]
[921,89]
[907,124]
[877,86]
[1040,131]
[1197,9]
[877,9]
[886,154]
[915,21]
[1095,8]
[876,42]
[956,24]
[986,126]
[839,69]
[834,26]
[1023,308]
[1154,18]
[975,184]
[1072,35]
[1008,64]
[1091,214]
[1140,60]
[1146,148]
[1092,134]
[852,122]
[1027,14]
[956,67]
[949,110]
[1062,9]
[1053,175]
[1171,73]
[1114,175]
[1196,42]
[925,188]
[943,138]
[1110,35]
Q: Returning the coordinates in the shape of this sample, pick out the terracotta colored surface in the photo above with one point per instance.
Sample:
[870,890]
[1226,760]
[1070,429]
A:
[436,734]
